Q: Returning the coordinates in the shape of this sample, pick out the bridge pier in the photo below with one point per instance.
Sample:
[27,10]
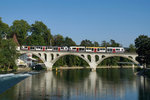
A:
[93,66]
[48,65]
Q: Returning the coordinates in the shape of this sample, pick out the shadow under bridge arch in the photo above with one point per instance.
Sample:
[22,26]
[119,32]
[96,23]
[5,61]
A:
[70,57]
[127,57]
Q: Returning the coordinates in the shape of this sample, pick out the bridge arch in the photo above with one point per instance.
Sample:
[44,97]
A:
[62,55]
[128,57]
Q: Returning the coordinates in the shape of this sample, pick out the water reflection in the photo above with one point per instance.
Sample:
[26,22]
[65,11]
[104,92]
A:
[105,84]
[144,88]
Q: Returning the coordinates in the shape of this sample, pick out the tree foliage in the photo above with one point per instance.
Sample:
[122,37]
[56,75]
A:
[86,43]
[69,42]
[111,43]
[39,29]
[8,54]
[142,44]
[21,29]
[59,40]
[131,48]
[4,28]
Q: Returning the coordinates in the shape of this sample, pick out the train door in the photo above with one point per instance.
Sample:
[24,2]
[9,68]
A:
[77,49]
[94,49]
[114,50]
[43,48]
[28,47]
[58,48]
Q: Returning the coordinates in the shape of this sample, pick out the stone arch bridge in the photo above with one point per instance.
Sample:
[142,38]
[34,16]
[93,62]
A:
[49,58]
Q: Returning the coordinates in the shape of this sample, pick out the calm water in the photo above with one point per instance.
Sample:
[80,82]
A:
[104,84]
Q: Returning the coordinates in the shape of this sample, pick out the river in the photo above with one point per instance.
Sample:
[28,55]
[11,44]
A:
[81,84]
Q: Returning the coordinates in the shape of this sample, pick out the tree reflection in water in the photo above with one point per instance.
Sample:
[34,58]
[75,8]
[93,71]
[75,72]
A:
[104,84]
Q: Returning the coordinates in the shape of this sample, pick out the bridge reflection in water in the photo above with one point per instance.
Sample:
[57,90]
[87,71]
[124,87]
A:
[104,84]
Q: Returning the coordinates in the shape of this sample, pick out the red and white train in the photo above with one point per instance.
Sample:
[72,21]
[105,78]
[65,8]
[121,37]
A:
[75,49]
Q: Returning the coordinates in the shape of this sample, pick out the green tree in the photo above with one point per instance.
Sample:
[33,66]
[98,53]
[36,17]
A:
[113,43]
[69,42]
[96,44]
[21,29]
[105,44]
[131,48]
[35,40]
[8,54]
[39,29]
[58,40]
[4,28]
[86,43]
[142,44]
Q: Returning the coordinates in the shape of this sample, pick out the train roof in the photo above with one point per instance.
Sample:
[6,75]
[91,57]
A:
[115,47]
[78,46]
[95,47]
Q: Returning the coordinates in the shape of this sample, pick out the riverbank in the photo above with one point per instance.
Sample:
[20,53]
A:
[23,70]
[78,67]
[19,70]
[28,69]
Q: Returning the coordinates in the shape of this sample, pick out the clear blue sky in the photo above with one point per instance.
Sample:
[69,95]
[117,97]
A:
[96,20]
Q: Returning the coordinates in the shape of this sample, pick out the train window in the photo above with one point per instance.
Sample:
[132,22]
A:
[109,49]
[62,47]
[55,48]
[118,49]
[49,47]
[92,49]
[81,49]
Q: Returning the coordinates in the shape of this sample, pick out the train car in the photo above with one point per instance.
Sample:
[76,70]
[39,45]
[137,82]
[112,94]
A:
[115,50]
[49,48]
[77,49]
[24,47]
[55,48]
[31,48]
[38,48]
[60,49]
[43,48]
[64,48]
[95,49]
[27,48]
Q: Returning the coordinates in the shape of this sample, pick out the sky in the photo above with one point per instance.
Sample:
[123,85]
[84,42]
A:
[95,20]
